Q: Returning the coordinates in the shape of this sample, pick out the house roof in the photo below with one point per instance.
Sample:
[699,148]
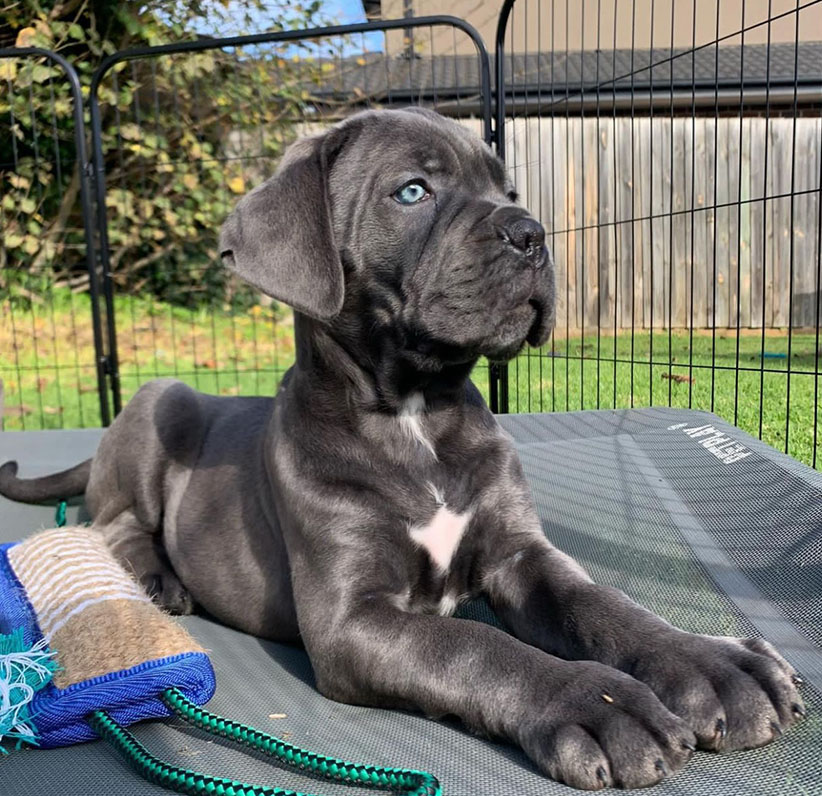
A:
[553,77]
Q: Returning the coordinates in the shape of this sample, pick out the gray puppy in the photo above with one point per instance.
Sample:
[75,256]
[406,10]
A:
[356,509]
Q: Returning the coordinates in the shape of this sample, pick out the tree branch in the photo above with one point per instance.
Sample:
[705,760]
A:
[58,226]
[143,262]
[64,9]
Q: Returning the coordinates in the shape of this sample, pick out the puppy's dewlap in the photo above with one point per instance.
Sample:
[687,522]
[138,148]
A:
[410,417]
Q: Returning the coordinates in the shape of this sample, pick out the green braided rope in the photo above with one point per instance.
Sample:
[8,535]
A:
[415,782]
[181,780]
[60,514]
[412,783]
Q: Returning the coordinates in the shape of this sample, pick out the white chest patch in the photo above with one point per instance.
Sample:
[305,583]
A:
[441,536]
[410,418]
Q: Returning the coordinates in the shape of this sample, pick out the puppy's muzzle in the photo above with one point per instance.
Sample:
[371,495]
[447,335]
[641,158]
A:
[527,236]
[532,266]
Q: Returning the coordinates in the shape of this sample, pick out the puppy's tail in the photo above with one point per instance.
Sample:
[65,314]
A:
[66,484]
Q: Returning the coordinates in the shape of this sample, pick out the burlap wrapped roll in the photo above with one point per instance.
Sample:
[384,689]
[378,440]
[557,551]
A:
[62,592]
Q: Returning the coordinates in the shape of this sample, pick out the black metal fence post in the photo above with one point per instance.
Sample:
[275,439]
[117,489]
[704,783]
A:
[499,372]
[86,171]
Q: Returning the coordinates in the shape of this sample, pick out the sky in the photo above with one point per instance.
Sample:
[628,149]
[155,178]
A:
[226,19]
[346,11]
[350,11]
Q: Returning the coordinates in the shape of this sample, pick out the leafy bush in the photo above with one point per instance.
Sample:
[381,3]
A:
[183,137]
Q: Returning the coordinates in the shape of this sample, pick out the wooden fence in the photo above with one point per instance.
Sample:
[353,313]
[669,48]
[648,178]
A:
[680,222]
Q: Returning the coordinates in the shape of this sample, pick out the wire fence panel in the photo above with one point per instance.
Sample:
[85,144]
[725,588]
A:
[183,133]
[673,151]
[49,329]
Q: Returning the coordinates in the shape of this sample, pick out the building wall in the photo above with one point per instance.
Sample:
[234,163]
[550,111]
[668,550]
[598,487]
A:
[541,26]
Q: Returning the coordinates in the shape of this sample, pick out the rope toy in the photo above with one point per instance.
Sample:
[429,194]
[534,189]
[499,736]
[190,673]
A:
[84,652]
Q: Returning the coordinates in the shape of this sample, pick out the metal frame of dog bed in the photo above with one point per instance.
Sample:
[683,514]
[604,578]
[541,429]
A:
[645,499]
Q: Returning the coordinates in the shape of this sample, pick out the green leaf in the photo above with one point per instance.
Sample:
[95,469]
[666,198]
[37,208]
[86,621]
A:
[19,181]
[40,73]
[76,32]
[130,131]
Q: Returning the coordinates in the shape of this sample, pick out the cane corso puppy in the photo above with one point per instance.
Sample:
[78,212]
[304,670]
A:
[356,509]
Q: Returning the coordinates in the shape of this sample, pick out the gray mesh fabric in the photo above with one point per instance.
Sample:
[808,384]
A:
[720,548]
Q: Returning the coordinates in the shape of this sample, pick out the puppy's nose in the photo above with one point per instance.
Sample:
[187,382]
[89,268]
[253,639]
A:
[527,235]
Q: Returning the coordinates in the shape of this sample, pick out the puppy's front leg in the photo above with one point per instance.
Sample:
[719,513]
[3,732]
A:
[733,693]
[581,722]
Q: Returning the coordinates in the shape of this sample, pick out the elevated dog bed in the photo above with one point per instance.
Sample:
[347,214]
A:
[695,519]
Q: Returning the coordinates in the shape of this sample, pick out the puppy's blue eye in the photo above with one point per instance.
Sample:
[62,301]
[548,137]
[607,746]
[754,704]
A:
[411,194]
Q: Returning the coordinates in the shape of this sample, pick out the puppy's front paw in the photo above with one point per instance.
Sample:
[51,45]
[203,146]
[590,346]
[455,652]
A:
[603,728]
[734,693]
[165,589]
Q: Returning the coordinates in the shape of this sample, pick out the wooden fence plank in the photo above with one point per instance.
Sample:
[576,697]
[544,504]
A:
[679,230]
[575,173]
[702,255]
[753,219]
[642,238]
[590,187]
[738,214]
[558,202]
[782,166]
[725,275]
[607,256]
[624,214]
[657,201]
[805,221]
[745,225]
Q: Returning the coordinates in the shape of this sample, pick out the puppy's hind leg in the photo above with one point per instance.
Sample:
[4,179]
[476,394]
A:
[139,550]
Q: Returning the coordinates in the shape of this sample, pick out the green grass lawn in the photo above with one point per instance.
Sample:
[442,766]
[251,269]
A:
[47,355]
[47,364]
[580,373]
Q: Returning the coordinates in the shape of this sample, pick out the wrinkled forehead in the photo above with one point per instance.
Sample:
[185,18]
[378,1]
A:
[401,142]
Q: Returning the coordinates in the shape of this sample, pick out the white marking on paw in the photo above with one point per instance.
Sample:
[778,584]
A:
[441,536]
[410,417]
[448,604]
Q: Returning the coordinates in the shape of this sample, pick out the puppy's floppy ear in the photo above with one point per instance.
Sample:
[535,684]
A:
[279,236]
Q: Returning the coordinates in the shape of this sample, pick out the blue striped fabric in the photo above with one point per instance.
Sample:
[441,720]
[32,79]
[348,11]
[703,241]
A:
[129,695]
